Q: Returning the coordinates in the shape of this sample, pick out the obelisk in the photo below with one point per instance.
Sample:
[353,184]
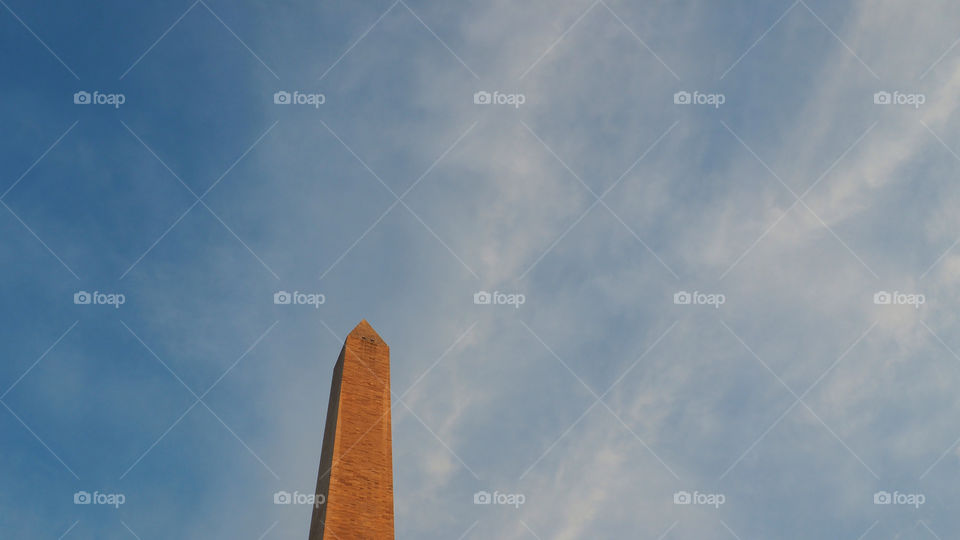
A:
[356,462]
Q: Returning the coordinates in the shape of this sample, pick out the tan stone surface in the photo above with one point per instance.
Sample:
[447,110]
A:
[356,462]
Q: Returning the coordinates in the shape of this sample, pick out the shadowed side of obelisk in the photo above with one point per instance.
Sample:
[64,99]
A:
[326,454]
[355,478]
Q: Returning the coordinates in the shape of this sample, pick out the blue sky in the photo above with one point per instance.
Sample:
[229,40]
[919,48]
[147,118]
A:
[788,388]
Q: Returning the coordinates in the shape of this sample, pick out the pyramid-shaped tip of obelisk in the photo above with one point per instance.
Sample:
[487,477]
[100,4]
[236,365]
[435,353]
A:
[363,330]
